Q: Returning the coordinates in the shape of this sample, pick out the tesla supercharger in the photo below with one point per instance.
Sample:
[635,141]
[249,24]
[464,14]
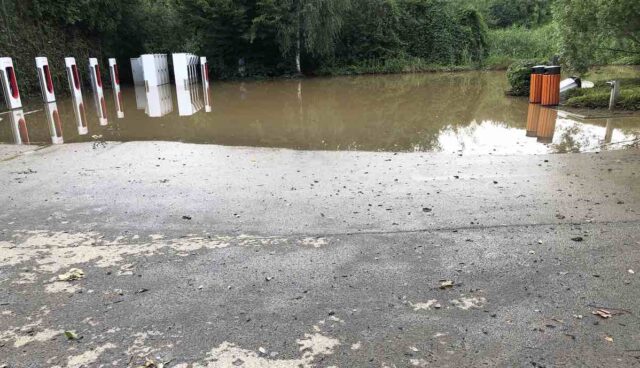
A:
[55,124]
[155,69]
[205,83]
[185,69]
[9,83]
[75,85]
[46,82]
[98,92]
[19,127]
[115,83]
[181,69]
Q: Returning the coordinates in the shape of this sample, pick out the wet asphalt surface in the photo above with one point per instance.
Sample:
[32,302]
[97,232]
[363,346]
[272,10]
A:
[212,256]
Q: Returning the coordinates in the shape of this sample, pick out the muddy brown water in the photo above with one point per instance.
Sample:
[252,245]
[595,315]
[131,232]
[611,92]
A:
[442,112]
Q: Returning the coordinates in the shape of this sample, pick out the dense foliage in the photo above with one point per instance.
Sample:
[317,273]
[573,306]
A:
[519,76]
[253,38]
[597,31]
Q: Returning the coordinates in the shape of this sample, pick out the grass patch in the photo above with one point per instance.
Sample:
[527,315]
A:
[598,96]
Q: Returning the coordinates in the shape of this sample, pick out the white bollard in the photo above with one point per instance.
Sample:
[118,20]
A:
[115,82]
[204,72]
[19,127]
[9,83]
[55,125]
[75,85]
[44,76]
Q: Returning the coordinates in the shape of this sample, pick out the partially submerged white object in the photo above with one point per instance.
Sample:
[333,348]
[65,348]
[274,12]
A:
[587,84]
[574,82]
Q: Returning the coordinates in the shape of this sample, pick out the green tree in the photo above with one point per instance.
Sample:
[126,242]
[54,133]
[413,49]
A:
[474,32]
[594,30]
[218,29]
[528,13]
[371,31]
[309,26]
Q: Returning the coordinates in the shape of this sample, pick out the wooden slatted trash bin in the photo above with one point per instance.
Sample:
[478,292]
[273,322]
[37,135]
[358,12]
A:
[535,85]
[551,86]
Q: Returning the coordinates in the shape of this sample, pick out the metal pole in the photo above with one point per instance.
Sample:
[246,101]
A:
[615,93]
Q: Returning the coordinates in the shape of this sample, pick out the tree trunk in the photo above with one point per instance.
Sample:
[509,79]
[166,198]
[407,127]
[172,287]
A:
[298,36]
[298,68]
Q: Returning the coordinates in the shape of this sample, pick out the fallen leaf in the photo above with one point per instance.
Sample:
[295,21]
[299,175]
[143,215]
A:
[608,338]
[71,275]
[602,313]
[71,335]
[444,284]
[150,363]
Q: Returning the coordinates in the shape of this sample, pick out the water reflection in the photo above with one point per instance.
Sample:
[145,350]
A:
[457,112]
[546,124]
[533,115]
[608,135]
[141,97]
[53,120]
[80,115]
[159,101]
[19,127]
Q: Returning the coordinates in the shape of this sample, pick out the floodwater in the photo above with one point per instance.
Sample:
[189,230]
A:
[441,112]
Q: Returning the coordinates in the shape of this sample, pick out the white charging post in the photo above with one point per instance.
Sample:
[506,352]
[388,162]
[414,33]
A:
[115,83]
[9,83]
[46,82]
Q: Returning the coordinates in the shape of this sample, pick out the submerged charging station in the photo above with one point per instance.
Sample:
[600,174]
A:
[9,83]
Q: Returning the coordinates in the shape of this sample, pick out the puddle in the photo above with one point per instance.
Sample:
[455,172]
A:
[439,112]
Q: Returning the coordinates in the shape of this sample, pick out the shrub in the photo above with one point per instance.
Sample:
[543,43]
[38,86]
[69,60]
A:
[519,75]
